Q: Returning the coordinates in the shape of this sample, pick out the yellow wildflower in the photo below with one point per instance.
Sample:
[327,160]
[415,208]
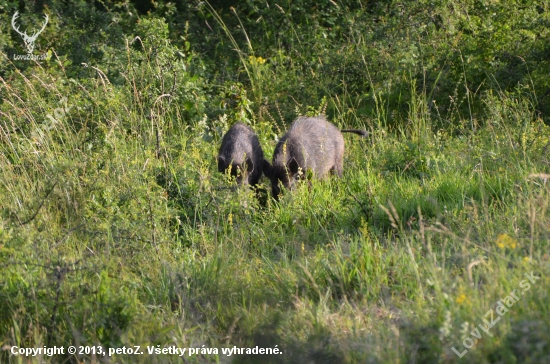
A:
[462,298]
[256,60]
[506,241]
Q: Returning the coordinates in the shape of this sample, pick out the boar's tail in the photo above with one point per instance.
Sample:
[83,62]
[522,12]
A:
[363,133]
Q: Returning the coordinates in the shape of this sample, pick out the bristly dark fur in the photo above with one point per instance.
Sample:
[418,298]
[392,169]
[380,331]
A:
[311,143]
[241,150]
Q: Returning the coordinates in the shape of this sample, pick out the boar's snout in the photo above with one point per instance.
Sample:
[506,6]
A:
[241,172]
[241,151]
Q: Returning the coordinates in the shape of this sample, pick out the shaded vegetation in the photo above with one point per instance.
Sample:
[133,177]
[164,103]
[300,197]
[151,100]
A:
[117,229]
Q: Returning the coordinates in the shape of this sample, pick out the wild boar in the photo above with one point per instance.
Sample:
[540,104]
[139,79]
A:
[311,144]
[241,150]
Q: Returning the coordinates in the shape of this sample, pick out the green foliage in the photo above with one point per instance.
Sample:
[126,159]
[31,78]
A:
[117,230]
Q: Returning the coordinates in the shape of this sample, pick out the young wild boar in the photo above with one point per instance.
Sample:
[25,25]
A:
[312,143]
[241,150]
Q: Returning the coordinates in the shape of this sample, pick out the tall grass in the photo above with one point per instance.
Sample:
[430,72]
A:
[118,231]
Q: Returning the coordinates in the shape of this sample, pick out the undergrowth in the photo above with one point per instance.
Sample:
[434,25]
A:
[117,230]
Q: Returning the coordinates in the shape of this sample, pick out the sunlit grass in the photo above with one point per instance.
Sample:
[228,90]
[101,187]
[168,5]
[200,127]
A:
[117,230]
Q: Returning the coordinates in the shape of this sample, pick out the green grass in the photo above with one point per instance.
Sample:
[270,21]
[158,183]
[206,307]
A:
[117,230]
[106,243]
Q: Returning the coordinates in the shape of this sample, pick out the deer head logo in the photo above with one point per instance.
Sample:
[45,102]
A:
[29,40]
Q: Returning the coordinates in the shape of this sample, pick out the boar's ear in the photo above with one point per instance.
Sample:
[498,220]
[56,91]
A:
[249,165]
[221,164]
[268,170]
[293,166]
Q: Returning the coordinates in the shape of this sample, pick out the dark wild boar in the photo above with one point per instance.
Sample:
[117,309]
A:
[241,151]
[311,143]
